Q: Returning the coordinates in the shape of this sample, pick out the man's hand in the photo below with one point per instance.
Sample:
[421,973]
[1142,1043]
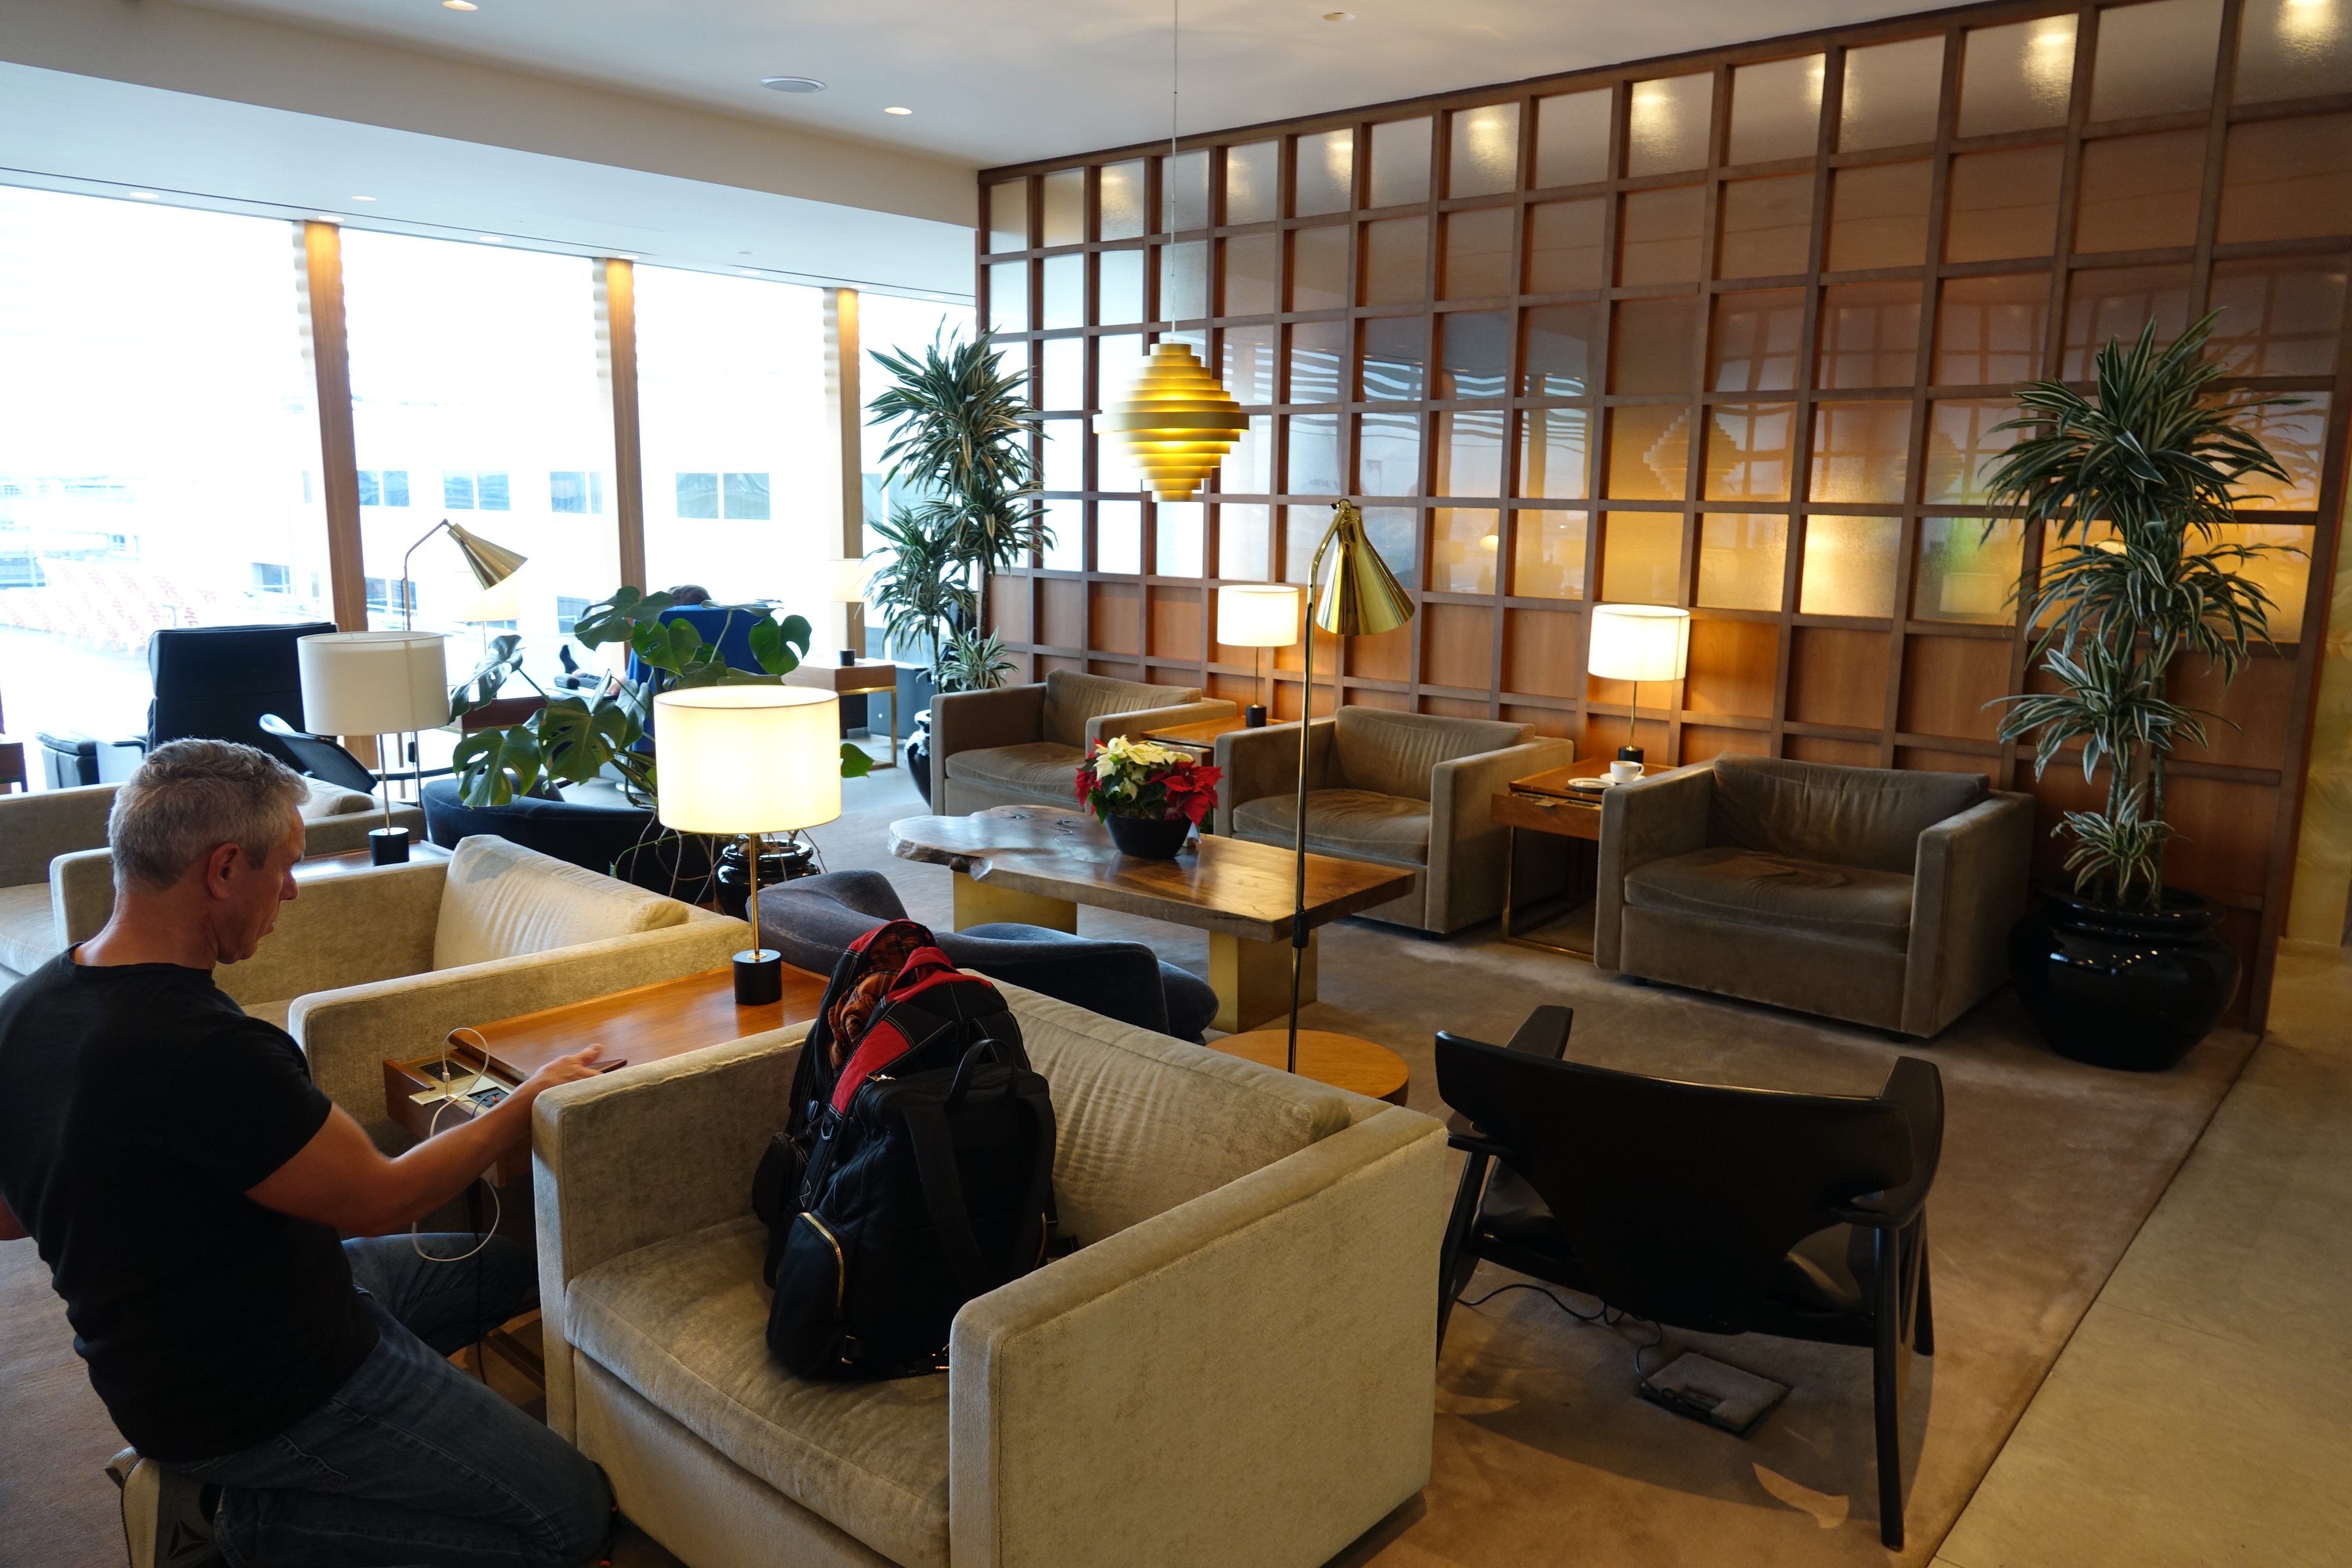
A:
[563,1070]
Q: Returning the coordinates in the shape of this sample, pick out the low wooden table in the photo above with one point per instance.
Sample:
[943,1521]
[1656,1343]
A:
[1200,738]
[644,1024]
[319,867]
[863,678]
[1035,865]
[1343,1061]
[1543,802]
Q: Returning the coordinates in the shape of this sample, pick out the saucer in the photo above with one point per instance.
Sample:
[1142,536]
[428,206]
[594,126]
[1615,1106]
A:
[1591,784]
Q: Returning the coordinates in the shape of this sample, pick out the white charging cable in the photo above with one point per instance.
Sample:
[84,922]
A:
[433,1126]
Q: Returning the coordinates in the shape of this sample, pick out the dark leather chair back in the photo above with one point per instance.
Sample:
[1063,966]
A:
[1678,1200]
[623,841]
[213,683]
[321,756]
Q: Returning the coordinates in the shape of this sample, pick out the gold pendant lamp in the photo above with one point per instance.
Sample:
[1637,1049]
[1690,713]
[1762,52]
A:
[1176,421]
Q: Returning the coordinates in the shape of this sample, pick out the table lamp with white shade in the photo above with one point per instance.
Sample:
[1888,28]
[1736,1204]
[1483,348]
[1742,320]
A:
[847,582]
[748,761]
[1638,643]
[375,683]
[1257,616]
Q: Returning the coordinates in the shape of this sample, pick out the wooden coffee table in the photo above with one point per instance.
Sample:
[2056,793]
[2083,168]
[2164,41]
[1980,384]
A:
[1343,1061]
[1035,865]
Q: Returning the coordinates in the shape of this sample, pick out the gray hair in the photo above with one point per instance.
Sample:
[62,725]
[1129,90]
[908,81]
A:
[188,798]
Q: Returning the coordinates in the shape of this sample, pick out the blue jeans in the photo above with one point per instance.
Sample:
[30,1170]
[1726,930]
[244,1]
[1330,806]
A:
[413,1463]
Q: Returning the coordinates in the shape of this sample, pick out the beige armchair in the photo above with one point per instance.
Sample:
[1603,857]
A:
[1874,895]
[1020,745]
[34,830]
[386,961]
[1402,789]
[1235,1368]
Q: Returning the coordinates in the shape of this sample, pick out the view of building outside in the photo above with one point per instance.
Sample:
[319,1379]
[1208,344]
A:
[158,449]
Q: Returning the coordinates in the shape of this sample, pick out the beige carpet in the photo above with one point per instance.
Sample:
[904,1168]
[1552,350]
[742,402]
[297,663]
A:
[1543,1452]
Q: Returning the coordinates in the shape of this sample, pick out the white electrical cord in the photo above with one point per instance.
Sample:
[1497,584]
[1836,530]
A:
[433,1126]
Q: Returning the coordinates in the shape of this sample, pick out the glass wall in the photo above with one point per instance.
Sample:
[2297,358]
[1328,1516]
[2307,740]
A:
[159,447]
[887,325]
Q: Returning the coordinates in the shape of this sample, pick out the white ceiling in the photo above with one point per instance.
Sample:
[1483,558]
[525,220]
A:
[1005,81]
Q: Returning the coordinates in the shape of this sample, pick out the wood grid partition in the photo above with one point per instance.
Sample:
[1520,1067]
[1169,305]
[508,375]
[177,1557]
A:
[1727,330]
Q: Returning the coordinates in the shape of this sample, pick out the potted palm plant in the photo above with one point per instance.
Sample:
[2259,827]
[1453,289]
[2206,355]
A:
[2136,483]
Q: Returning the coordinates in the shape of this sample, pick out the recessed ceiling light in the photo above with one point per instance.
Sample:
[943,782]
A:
[491,238]
[145,196]
[1327,16]
[749,271]
[324,218]
[791,83]
[898,111]
[362,198]
[459,6]
[625,256]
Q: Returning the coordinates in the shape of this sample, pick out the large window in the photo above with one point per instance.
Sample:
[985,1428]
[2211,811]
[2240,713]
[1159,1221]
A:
[887,325]
[158,449]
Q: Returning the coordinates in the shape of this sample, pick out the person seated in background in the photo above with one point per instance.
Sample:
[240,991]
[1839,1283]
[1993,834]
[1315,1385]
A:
[287,1395]
[688,594]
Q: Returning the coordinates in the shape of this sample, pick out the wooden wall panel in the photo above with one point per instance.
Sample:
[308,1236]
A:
[1457,648]
[1926,760]
[1828,749]
[1553,722]
[1543,653]
[1117,612]
[1701,742]
[1009,615]
[1947,681]
[1388,657]
[1838,677]
[1176,628]
[1731,669]
[1062,613]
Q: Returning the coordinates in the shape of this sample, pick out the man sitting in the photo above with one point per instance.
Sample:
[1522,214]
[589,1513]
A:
[185,1179]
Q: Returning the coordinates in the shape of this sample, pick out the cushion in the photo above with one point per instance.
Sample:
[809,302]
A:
[1072,698]
[1745,887]
[503,901]
[684,1323]
[1349,822]
[28,931]
[1045,769]
[333,800]
[1392,754]
[1819,811]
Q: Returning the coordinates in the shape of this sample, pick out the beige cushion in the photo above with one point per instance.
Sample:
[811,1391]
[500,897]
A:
[28,931]
[1072,698]
[333,800]
[1351,822]
[1819,811]
[1392,753]
[503,901]
[684,1323]
[1851,904]
[1042,768]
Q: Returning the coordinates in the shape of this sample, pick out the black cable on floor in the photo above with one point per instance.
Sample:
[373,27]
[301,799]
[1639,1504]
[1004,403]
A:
[1606,1317]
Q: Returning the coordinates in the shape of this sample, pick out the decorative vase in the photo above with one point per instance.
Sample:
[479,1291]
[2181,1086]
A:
[2130,989]
[780,860]
[917,753]
[1150,839]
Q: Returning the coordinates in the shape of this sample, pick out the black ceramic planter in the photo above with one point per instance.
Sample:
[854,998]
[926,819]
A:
[2131,989]
[1149,839]
[917,756]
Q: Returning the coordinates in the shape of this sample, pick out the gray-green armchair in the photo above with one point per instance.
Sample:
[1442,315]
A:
[1020,745]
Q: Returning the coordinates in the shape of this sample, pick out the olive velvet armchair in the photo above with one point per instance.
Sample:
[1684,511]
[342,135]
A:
[1020,745]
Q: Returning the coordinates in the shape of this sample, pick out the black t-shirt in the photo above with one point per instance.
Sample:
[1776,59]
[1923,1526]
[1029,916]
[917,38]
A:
[137,1105]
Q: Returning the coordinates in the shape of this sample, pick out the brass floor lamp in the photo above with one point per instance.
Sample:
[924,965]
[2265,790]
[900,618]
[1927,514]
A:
[1363,598]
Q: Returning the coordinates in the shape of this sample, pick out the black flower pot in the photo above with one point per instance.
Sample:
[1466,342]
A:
[917,753]
[2127,988]
[782,860]
[1150,839]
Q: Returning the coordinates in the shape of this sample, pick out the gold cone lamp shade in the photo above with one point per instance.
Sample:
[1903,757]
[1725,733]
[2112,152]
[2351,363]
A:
[1362,596]
[1177,420]
[490,564]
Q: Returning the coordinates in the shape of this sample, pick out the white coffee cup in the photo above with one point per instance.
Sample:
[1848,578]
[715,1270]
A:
[1624,773]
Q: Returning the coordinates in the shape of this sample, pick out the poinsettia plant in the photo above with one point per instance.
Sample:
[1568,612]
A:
[1122,777]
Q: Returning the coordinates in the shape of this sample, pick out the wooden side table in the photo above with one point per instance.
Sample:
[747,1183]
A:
[1343,1061]
[1543,802]
[864,677]
[319,867]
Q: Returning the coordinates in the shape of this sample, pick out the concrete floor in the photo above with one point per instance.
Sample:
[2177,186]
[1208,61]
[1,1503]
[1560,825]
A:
[2198,1415]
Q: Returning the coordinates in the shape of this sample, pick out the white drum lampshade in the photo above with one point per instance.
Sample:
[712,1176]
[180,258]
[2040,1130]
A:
[846,581]
[373,683]
[1258,614]
[749,759]
[1639,642]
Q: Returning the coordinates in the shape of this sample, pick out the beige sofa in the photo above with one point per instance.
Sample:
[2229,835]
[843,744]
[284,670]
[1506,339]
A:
[1020,745]
[34,830]
[385,961]
[1236,1368]
[1397,789]
[1878,896]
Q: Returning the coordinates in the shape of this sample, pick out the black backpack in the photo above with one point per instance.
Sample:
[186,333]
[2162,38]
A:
[917,1170]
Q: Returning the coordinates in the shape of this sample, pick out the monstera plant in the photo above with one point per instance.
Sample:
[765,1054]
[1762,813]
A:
[577,736]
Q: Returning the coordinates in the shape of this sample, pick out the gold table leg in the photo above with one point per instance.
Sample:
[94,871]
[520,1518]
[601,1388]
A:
[1252,979]
[983,903]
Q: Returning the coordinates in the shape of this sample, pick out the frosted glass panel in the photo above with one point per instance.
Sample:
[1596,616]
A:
[2282,314]
[1641,557]
[1757,340]
[1388,455]
[1667,126]
[1547,554]
[1870,336]
[1396,261]
[1564,245]
[1254,275]
[1008,297]
[1248,469]
[1891,94]
[1008,215]
[1849,566]
[1117,358]
[1749,457]
[1119,536]
[1326,173]
[1400,163]
[1318,269]
[1394,532]
[1314,468]
[2003,203]
[1660,236]
[1121,282]
[1122,200]
[1861,451]
[1767,227]
[1065,454]
[1967,569]
[1065,207]
[1319,353]
[1244,536]
[1989,330]
[1184,281]
[1741,559]
[1176,539]
[1184,191]
[1464,545]
[1249,363]
[1649,453]
[2297,438]
[1474,354]
[1563,350]
[1115,467]
[2139,192]
[1878,216]
[2283,573]
[1485,152]
[1065,545]
[2017,77]
[1656,347]
[2105,303]
[2293,48]
[1478,260]
[1395,358]
[1302,526]
[1250,183]
[1554,452]
[1469,452]
[2156,58]
[1065,371]
[1963,447]
[1775,110]
[1572,139]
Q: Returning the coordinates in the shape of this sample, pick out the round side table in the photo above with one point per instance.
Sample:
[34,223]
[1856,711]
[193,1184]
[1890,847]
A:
[1343,1061]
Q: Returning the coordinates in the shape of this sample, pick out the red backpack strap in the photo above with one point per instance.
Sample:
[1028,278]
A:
[885,1042]
[882,955]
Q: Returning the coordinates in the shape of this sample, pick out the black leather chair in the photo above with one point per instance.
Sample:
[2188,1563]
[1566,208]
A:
[813,920]
[621,841]
[321,756]
[1715,1210]
[213,683]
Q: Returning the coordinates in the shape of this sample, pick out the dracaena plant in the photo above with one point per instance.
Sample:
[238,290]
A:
[2136,482]
[577,736]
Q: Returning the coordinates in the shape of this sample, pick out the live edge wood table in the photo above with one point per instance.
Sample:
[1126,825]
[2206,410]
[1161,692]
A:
[1035,865]
[644,1024]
